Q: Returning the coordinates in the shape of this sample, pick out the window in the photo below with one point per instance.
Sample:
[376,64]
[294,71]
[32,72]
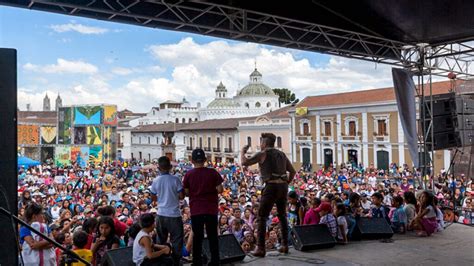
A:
[184,120]
[305,129]
[230,144]
[149,157]
[352,128]
[190,120]
[257,104]
[149,140]
[153,112]
[249,141]
[157,140]
[191,142]
[132,155]
[327,128]
[184,140]
[209,143]
[140,141]
[382,127]
[195,119]
[269,104]
[278,142]
[218,142]
[247,105]
[200,142]
[177,120]
[139,155]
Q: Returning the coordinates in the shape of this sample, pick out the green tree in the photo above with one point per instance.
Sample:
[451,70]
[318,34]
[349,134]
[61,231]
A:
[285,95]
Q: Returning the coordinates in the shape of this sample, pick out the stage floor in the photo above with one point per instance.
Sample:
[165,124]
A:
[454,246]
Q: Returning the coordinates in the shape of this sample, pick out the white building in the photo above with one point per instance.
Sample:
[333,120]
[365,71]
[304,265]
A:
[254,99]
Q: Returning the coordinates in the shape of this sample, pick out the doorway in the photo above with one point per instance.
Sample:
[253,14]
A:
[328,158]
[352,157]
[382,160]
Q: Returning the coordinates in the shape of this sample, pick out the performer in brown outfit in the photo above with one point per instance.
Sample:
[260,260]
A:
[276,171]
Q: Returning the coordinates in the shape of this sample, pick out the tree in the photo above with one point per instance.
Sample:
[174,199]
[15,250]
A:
[285,96]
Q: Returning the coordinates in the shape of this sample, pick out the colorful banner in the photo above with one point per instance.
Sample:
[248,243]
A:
[48,135]
[80,135]
[87,115]
[64,125]
[107,140]
[28,135]
[83,159]
[110,115]
[47,153]
[62,156]
[94,136]
[95,154]
[75,153]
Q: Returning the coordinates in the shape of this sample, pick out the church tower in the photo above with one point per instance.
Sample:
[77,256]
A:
[59,102]
[221,91]
[46,103]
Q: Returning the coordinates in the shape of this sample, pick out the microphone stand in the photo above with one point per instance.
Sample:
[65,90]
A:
[66,251]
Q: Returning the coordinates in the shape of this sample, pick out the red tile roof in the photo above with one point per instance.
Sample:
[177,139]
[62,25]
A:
[364,96]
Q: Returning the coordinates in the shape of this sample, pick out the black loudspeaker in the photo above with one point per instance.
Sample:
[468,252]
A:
[309,237]
[372,228]
[229,249]
[8,156]
[119,257]
[453,120]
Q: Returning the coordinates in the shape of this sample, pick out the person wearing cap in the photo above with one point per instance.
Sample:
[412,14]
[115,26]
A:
[276,171]
[203,185]
[167,189]
[327,217]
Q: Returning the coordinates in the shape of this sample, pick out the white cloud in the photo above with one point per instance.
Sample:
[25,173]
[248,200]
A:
[122,71]
[63,66]
[76,27]
[192,70]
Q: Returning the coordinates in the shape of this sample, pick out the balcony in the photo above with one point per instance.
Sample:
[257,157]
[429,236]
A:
[228,150]
[326,138]
[216,149]
[207,148]
[189,148]
[304,138]
[381,138]
[350,138]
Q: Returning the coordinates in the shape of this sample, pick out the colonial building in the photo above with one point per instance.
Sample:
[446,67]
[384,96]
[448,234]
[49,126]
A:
[254,99]
[221,139]
[354,127]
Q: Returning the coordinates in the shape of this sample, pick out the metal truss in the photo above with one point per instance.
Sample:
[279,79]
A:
[230,22]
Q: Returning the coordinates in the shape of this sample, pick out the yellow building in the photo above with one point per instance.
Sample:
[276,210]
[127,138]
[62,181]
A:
[354,127]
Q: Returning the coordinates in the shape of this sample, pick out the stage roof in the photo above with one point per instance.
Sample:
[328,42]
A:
[380,31]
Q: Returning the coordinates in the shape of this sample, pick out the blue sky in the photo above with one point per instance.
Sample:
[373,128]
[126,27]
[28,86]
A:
[92,61]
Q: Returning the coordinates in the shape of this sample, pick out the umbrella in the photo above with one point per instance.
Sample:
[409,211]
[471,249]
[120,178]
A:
[26,162]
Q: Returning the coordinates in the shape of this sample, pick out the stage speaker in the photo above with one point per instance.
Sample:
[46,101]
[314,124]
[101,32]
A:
[8,156]
[309,237]
[229,249]
[119,257]
[372,228]
[453,121]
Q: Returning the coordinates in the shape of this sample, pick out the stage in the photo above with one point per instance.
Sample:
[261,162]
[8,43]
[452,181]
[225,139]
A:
[451,247]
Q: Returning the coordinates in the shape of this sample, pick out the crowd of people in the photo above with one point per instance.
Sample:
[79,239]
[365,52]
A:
[129,203]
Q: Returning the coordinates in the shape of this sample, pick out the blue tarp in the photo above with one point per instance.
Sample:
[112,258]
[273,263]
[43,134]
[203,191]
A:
[26,162]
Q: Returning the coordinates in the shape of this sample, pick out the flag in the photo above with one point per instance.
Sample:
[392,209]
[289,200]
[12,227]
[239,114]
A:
[301,111]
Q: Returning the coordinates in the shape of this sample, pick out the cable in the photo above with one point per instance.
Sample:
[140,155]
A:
[2,189]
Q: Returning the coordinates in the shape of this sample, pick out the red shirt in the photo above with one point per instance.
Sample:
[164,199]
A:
[203,196]
[120,227]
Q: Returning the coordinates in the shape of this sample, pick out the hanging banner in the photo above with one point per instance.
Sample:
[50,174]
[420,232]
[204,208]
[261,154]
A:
[95,154]
[62,156]
[87,115]
[94,136]
[28,135]
[110,115]
[80,135]
[48,135]
[64,125]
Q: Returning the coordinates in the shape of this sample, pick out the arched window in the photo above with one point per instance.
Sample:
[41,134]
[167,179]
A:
[184,120]
[190,120]
[278,142]
[257,104]
[247,105]
[269,104]
[195,119]
[249,141]
[177,120]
